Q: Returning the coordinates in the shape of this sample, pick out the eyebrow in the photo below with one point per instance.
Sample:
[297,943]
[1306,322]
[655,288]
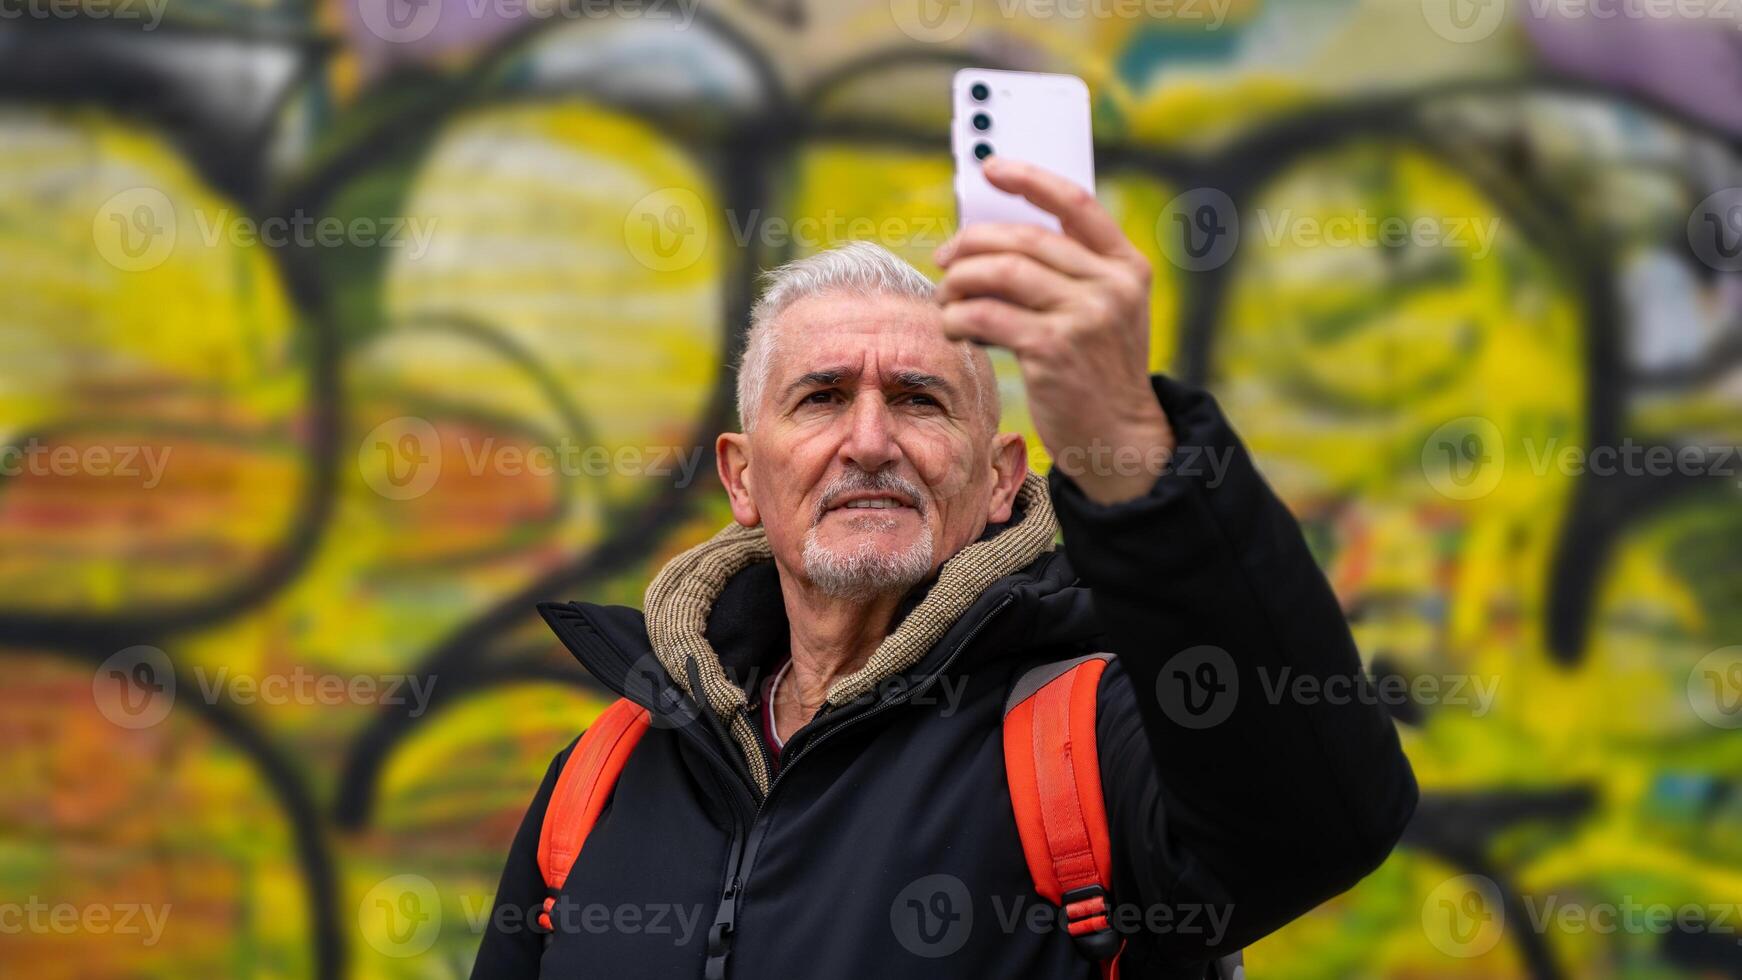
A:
[919,379]
[901,379]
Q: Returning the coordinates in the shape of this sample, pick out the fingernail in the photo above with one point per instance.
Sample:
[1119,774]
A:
[944,252]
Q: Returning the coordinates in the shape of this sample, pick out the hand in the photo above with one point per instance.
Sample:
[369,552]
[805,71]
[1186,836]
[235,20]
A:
[1074,309]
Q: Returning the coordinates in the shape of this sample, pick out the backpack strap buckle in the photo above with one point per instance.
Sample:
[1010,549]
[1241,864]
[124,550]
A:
[541,922]
[1086,920]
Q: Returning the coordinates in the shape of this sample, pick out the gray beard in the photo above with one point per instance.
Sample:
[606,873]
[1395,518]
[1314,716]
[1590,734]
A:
[864,573]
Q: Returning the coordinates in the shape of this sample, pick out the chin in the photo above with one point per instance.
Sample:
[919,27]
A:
[871,531]
[864,556]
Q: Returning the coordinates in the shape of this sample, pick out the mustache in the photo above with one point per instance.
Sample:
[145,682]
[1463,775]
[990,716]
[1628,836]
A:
[859,481]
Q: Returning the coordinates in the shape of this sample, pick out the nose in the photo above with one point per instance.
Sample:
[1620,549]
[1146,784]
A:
[870,439]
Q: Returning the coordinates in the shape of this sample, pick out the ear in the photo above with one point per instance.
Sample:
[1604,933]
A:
[732,458]
[1010,466]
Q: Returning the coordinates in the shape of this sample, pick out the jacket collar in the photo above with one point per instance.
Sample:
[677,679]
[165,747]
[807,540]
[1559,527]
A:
[715,620]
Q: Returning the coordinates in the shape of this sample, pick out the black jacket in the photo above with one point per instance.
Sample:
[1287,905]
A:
[886,846]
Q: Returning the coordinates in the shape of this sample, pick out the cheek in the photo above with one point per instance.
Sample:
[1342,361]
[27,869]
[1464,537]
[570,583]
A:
[805,457]
[795,469]
[947,466]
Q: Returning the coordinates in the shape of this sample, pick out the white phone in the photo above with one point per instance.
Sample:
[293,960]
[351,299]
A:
[1030,116]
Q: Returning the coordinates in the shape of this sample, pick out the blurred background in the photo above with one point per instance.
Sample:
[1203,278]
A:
[336,333]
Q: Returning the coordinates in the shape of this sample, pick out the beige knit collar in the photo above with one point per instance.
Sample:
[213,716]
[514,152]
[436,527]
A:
[683,593]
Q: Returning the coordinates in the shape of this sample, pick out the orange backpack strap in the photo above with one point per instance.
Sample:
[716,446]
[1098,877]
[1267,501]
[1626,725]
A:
[1055,787]
[581,790]
[1054,770]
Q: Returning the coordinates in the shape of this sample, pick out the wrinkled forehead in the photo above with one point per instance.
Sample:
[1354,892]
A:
[842,326]
[890,336]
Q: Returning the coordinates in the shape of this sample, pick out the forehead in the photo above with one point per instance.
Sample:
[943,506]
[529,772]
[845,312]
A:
[884,334]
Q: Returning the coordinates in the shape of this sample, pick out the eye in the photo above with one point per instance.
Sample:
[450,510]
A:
[818,397]
[923,400]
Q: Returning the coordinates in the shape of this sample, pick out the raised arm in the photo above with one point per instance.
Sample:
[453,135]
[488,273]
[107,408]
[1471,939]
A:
[1235,783]
[1226,786]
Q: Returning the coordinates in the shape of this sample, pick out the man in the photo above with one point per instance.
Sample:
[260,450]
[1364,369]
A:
[828,675]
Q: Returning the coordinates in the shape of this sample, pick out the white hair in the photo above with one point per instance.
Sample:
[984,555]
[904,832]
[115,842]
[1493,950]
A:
[860,268]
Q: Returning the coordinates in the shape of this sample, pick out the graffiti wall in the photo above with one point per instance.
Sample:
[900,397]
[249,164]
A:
[335,335]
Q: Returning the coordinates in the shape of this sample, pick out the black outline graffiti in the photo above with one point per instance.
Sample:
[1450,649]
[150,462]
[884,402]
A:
[741,157]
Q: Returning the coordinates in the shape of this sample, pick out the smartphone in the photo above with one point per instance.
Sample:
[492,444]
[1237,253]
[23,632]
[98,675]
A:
[1030,116]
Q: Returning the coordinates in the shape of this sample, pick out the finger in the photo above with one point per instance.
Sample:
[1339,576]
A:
[992,321]
[1010,276]
[1082,216]
[1061,252]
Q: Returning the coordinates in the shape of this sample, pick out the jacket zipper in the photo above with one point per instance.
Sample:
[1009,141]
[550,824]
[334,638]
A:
[732,786]
[743,855]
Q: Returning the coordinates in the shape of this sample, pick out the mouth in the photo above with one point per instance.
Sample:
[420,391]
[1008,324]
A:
[871,502]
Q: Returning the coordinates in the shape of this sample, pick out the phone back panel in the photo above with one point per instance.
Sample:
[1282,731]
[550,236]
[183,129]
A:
[1037,118]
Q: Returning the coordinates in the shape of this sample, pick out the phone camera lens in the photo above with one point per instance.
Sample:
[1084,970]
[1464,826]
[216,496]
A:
[980,92]
[982,122]
[982,150]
